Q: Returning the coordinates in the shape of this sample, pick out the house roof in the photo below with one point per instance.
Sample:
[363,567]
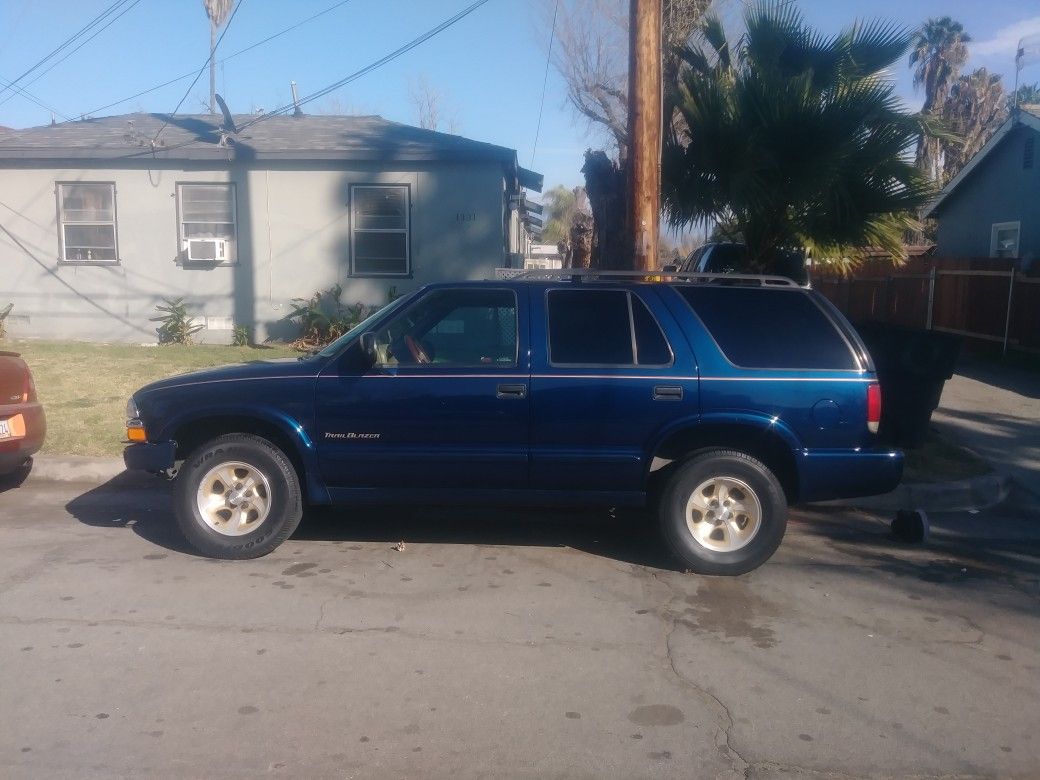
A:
[1024,116]
[274,137]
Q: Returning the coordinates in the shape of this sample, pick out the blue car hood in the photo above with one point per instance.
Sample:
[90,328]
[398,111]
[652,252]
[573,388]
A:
[258,369]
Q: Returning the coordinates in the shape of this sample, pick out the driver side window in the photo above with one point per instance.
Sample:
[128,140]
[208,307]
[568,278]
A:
[452,329]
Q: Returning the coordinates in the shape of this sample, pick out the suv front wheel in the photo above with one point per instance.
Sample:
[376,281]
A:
[237,496]
[722,512]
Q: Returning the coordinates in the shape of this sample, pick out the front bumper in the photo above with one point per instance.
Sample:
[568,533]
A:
[152,457]
[829,474]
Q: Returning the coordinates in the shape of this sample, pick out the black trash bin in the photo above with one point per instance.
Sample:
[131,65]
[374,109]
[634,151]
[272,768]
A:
[912,367]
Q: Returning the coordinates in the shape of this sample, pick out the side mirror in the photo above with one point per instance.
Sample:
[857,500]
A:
[368,346]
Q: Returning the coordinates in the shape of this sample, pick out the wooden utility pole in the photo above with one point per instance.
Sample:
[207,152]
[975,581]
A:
[644,130]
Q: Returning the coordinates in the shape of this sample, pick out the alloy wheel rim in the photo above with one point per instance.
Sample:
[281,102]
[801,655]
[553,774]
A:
[723,514]
[234,498]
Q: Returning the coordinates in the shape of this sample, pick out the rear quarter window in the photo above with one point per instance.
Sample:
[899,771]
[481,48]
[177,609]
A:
[763,328]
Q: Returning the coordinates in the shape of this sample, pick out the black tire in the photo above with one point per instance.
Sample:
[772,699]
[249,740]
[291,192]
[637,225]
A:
[680,486]
[284,497]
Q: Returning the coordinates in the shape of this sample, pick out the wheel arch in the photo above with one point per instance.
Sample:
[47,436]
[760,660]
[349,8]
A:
[285,433]
[763,438]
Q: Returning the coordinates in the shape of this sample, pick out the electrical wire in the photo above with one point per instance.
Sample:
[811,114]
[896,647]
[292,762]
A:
[32,98]
[83,43]
[68,41]
[545,83]
[223,60]
[198,75]
[415,42]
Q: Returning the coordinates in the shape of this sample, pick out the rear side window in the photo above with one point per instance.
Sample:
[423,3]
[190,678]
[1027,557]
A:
[758,328]
[603,328]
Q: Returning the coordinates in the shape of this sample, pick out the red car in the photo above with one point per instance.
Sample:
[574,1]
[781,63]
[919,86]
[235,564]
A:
[22,423]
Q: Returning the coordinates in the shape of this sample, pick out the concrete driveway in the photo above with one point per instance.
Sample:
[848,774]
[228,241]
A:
[513,644]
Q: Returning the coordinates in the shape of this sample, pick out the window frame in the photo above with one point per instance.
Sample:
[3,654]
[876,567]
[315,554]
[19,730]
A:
[996,228]
[407,230]
[631,331]
[182,250]
[60,218]
[433,367]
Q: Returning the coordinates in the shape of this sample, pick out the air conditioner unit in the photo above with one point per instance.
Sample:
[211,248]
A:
[207,250]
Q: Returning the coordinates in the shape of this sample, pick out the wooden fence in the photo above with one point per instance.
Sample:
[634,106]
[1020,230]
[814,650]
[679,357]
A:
[986,299]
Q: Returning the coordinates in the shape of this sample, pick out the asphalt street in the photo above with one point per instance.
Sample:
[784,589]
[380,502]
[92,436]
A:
[509,643]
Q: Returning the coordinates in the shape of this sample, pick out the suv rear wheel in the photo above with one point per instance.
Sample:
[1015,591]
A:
[722,512]
[237,496]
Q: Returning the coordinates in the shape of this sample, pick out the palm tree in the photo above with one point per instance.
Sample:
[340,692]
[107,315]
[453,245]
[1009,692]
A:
[974,109]
[939,52]
[793,139]
[1027,94]
[218,12]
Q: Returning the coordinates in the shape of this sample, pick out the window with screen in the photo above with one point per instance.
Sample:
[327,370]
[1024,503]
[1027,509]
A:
[379,228]
[87,222]
[762,328]
[603,328]
[453,329]
[208,229]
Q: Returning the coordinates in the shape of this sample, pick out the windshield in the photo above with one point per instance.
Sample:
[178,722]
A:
[362,326]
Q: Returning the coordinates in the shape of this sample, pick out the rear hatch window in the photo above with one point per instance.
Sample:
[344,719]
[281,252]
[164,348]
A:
[770,328]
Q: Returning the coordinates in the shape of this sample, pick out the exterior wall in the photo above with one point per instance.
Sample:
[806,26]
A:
[998,190]
[293,240]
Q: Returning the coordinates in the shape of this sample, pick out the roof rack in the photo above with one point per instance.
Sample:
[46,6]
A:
[591,274]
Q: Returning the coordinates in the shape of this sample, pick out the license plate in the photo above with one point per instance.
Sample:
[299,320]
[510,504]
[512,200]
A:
[5,430]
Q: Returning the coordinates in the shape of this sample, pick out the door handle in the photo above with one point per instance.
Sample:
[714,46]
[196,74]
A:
[668,393]
[511,391]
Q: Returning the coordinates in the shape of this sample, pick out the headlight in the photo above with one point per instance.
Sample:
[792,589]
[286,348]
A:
[132,412]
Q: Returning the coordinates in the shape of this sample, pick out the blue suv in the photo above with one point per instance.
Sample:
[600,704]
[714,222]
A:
[718,401]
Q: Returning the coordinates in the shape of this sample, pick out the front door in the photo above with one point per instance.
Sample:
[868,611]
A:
[444,407]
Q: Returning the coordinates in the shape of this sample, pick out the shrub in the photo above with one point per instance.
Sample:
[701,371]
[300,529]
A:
[324,317]
[176,326]
[3,319]
[241,337]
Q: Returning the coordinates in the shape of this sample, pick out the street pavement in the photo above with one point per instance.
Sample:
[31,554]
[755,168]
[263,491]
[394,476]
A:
[995,411]
[511,644]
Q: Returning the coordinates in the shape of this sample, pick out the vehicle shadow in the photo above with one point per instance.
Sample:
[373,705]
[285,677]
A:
[144,505]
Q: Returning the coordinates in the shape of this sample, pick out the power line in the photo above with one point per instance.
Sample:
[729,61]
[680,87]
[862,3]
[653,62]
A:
[69,41]
[545,83]
[372,66]
[198,75]
[223,60]
[32,98]
[81,44]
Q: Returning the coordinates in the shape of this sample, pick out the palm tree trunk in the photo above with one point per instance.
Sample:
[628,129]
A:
[212,67]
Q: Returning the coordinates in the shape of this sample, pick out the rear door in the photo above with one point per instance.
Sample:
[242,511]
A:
[445,407]
[610,369]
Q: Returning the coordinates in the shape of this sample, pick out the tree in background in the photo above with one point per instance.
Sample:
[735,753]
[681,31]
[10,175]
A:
[793,138]
[430,105]
[939,52]
[218,12]
[974,109]
[1028,94]
[561,206]
[591,54]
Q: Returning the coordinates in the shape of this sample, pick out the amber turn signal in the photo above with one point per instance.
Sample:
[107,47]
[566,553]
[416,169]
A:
[136,434]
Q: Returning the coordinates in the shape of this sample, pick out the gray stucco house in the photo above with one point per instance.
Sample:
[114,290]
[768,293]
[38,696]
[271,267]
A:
[102,218]
[991,208]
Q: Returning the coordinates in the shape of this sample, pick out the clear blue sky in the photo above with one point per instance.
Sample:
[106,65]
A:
[489,66]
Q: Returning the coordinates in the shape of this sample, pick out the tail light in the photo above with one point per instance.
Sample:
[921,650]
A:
[28,388]
[873,407]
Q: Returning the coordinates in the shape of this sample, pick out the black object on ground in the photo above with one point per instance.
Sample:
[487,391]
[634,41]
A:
[910,525]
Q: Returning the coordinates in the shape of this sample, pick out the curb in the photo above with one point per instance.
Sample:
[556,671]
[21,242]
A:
[74,468]
[976,493]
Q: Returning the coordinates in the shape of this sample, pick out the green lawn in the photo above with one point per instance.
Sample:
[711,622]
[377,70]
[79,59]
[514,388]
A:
[84,387]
